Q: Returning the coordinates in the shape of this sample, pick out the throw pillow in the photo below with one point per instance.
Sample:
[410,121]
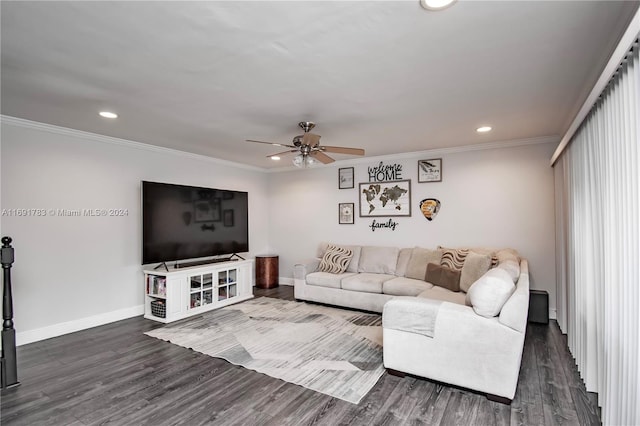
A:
[443,277]
[353,264]
[335,260]
[420,257]
[489,294]
[475,265]
[454,258]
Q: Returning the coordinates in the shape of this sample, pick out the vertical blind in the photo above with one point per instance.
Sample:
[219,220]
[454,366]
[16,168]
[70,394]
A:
[598,246]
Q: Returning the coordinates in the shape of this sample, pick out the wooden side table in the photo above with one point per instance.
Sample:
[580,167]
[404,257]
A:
[267,271]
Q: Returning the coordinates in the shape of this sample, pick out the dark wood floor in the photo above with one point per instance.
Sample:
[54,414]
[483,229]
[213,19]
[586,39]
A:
[115,374]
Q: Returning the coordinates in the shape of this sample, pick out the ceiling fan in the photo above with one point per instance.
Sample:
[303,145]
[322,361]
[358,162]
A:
[309,149]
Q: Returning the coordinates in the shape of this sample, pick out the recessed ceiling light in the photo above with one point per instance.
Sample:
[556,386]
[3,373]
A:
[275,157]
[107,114]
[436,4]
[483,129]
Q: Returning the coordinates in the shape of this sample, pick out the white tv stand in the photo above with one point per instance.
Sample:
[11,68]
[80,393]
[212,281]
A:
[193,290]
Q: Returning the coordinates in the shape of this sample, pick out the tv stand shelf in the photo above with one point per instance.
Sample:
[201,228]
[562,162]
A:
[182,292]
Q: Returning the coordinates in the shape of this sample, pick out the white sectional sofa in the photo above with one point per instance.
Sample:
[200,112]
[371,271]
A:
[471,338]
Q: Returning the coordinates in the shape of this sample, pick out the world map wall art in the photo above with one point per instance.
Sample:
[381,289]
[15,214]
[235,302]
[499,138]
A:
[379,199]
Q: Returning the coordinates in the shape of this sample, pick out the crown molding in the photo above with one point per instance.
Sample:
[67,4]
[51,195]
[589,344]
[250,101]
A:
[28,124]
[20,122]
[433,152]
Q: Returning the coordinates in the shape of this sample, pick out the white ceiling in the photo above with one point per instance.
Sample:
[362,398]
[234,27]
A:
[389,77]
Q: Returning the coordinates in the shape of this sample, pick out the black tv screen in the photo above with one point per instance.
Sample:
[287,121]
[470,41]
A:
[186,222]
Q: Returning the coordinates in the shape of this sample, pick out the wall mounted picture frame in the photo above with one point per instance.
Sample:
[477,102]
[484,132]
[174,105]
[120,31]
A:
[346,213]
[206,210]
[384,199]
[430,170]
[345,178]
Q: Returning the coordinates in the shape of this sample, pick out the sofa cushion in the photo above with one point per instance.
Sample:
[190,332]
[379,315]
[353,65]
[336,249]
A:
[490,292]
[403,261]
[327,279]
[440,293]
[420,257]
[335,260]
[442,276]
[475,265]
[366,282]
[509,260]
[401,286]
[378,260]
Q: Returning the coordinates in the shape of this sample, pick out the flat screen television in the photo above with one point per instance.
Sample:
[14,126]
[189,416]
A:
[186,222]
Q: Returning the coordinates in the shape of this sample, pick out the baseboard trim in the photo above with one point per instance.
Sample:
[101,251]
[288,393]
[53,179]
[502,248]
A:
[285,281]
[553,314]
[55,330]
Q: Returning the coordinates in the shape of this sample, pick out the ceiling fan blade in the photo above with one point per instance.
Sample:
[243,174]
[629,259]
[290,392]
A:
[310,139]
[342,150]
[271,143]
[322,157]
[282,153]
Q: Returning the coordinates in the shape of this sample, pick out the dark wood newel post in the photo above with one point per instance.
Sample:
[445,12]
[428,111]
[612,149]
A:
[9,364]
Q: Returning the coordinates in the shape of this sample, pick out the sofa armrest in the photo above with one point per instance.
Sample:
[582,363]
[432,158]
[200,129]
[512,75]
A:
[411,314]
[453,321]
[300,270]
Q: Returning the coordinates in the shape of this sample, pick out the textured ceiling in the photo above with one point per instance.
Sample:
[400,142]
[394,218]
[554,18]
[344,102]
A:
[389,77]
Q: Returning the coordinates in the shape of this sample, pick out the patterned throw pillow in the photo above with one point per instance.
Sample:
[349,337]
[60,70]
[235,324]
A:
[454,258]
[335,260]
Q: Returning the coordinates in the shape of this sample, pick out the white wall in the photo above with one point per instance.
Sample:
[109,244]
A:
[499,197]
[75,272]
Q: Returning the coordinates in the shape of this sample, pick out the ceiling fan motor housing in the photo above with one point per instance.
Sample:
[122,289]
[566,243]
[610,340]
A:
[307,125]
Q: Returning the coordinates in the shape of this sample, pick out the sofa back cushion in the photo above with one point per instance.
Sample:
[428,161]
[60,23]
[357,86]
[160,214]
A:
[403,261]
[442,276]
[475,265]
[490,292]
[420,257]
[509,260]
[378,260]
[335,260]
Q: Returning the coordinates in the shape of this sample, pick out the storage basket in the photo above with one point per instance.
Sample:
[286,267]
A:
[158,308]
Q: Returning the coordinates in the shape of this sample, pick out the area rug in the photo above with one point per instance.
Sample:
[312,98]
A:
[329,350]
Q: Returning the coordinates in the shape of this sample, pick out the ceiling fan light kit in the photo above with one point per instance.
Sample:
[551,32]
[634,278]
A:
[310,152]
[302,161]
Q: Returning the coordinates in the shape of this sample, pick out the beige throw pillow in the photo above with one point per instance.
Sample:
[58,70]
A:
[420,257]
[335,260]
[475,265]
